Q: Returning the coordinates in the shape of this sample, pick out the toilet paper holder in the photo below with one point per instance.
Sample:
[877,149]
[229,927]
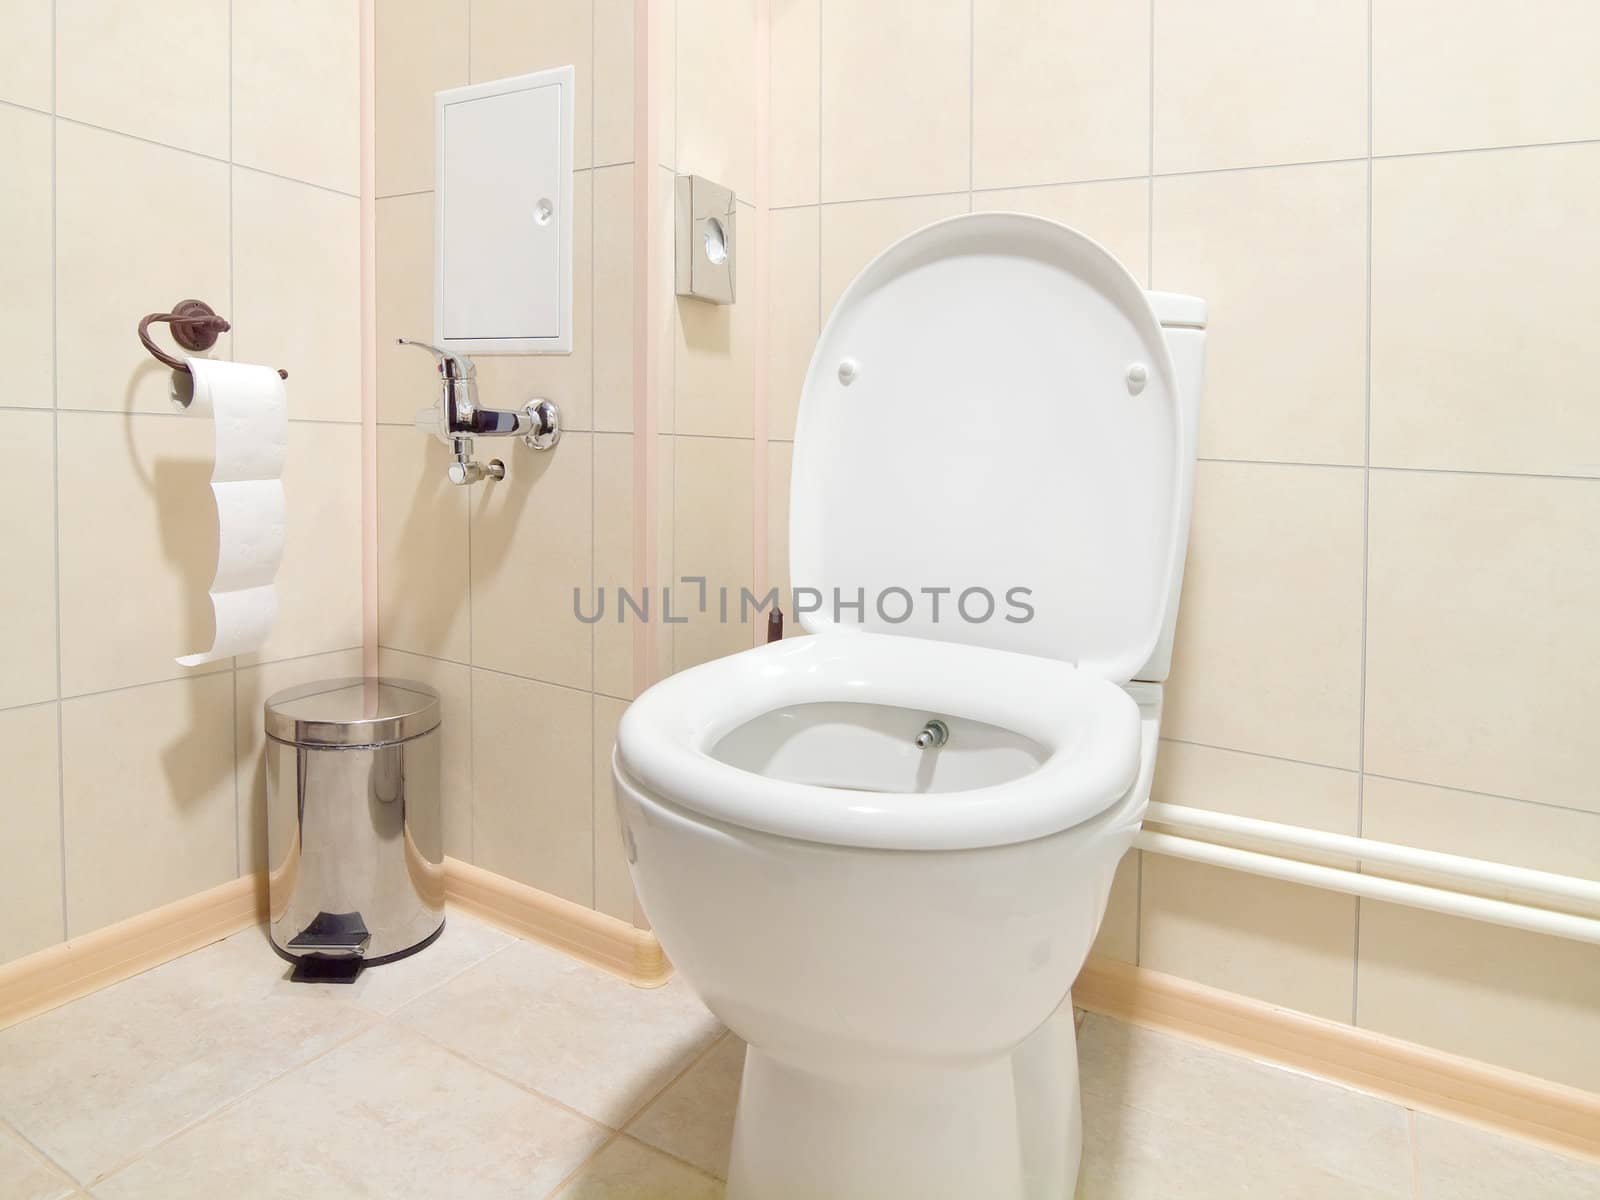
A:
[195,326]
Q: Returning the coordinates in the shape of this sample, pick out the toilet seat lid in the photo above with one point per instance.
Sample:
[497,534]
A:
[991,417]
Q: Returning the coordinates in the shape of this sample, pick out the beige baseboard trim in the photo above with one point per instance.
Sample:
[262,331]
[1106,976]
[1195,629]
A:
[604,941]
[75,968]
[1561,1118]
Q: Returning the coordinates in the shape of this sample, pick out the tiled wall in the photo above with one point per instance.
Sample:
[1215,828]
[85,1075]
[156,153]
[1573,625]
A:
[155,152]
[707,440]
[1388,620]
[475,584]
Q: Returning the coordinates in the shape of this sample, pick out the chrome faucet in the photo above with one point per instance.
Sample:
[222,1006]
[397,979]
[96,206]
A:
[456,419]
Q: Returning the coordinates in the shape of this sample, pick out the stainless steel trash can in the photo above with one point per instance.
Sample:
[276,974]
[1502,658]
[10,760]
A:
[355,839]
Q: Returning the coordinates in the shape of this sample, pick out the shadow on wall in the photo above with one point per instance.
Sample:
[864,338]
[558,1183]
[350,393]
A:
[179,489]
[497,510]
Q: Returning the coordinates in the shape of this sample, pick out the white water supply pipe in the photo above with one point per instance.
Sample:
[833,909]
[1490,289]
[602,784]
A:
[1416,895]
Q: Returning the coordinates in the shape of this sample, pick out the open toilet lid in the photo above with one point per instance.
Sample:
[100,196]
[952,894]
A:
[992,409]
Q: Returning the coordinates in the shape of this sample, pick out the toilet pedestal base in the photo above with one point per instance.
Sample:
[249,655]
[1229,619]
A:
[1007,1129]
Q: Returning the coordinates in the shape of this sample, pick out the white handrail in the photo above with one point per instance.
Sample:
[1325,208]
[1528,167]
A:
[1472,870]
[1376,887]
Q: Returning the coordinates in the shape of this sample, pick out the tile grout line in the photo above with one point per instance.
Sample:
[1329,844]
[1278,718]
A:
[1413,1154]
[1366,550]
[1265,166]
[39,1152]
[1149,282]
[128,687]
[1303,762]
[621,1131]
[233,311]
[373,1020]
[55,475]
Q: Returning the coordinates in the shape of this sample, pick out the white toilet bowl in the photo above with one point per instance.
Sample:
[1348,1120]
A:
[893,924]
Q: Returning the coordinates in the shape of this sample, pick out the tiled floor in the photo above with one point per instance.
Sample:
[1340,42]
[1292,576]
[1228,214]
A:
[489,1067]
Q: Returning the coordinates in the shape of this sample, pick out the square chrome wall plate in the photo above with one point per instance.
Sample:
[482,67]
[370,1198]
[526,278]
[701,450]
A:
[704,239]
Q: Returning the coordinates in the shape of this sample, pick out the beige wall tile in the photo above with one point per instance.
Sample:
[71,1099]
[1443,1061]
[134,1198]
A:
[613,563]
[26,214]
[1118,937]
[1243,83]
[254,685]
[666,480]
[780,460]
[663,315]
[792,322]
[531,547]
[453,682]
[135,508]
[1280,258]
[1493,74]
[854,234]
[408,379]
[1268,654]
[714,361]
[716,80]
[158,70]
[28,584]
[147,788]
[613,73]
[297,290]
[421,48]
[794,101]
[1060,92]
[25,53]
[297,90]
[1563,840]
[1275,941]
[1117,215]
[30,853]
[663,99]
[168,235]
[896,100]
[712,509]
[1514,999]
[1482,310]
[319,579]
[613,298]
[1480,634]
[422,547]
[613,886]
[511,380]
[513,37]
[532,779]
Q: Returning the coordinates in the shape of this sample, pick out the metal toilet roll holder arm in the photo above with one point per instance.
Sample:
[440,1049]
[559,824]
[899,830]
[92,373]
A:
[195,326]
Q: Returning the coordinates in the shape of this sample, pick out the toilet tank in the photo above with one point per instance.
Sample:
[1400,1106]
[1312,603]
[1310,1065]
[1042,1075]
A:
[1183,321]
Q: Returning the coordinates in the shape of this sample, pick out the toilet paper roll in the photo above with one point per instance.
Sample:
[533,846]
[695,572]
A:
[249,411]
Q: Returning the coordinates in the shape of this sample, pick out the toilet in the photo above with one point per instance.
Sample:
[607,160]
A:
[880,853]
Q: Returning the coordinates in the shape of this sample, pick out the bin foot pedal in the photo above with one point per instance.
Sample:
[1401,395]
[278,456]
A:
[316,969]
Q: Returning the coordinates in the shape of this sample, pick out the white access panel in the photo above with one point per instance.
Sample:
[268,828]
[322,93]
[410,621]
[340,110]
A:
[502,241]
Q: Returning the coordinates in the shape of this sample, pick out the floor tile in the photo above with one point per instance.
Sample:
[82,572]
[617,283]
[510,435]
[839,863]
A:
[26,1176]
[386,987]
[567,1029]
[693,1118]
[625,1170]
[97,1081]
[1195,1092]
[388,1114]
[1131,1154]
[1457,1162]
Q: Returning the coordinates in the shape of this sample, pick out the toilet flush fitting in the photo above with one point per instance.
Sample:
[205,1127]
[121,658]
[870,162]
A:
[934,734]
